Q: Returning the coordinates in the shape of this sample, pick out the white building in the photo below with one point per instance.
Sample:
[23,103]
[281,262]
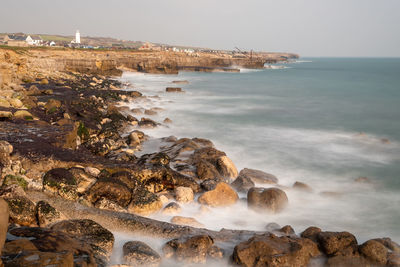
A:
[34,40]
[77,37]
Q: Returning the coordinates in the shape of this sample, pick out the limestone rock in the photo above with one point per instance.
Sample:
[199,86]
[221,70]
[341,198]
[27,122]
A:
[374,251]
[47,214]
[222,195]
[144,202]
[62,182]
[259,177]
[267,199]
[184,194]
[242,184]
[337,243]
[188,221]
[137,253]
[100,239]
[270,250]
[194,249]
[227,168]
[172,208]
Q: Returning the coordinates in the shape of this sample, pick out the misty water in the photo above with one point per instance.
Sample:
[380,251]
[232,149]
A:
[324,122]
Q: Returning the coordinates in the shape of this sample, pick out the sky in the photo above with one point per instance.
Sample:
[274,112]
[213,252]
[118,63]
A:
[311,28]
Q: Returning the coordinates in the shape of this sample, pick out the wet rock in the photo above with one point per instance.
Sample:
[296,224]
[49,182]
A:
[188,221]
[374,251]
[23,114]
[150,112]
[216,252]
[100,239]
[47,240]
[222,195]
[259,177]
[337,243]
[111,189]
[15,179]
[227,168]
[126,178]
[38,258]
[4,215]
[393,259]
[16,103]
[46,214]
[5,115]
[134,139]
[272,227]
[167,120]
[302,187]
[4,103]
[348,261]
[147,123]
[184,194]
[267,199]
[209,184]
[22,210]
[287,230]
[173,89]
[242,184]
[190,250]
[311,233]
[137,253]
[84,179]
[52,105]
[144,202]
[137,111]
[365,180]
[172,208]
[61,182]
[5,150]
[107,204]
[92,171]
[390,244]
[205,170]
[270,250]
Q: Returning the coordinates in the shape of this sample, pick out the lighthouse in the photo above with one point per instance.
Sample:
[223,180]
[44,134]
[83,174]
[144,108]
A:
[77,37]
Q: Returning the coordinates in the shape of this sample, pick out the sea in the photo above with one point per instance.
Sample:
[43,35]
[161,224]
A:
[321,121]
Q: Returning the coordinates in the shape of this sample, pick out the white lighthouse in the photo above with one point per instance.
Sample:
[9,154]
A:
[77,37]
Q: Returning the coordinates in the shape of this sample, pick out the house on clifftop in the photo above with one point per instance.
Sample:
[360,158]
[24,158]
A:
[22,40]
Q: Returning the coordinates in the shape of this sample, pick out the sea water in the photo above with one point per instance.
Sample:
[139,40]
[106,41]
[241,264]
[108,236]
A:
[324,122]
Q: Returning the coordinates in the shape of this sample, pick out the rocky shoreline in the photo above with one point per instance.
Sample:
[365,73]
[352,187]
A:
[70,178]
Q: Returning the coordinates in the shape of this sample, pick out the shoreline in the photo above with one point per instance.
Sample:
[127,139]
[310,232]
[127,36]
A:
[75,120]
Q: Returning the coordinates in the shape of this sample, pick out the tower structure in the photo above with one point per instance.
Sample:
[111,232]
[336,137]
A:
[77,37]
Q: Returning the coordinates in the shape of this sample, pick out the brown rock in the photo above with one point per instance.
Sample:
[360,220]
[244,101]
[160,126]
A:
[184,194]
[137,253]
[222,195]
[4,213]
[226,167]
[337,243]
[172,208]
[144,202]
[111,189]
[38,258]
[47,214]
[62,182]
[242,184]
[302,186]
[267,199]
[374,251]
[191,250]
[259,177]
[311,233]
[22,210]
[348,261]
[270,250]
[188,221]
[173,89]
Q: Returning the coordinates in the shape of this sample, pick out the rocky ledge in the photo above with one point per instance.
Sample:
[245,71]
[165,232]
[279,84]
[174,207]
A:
[70,178]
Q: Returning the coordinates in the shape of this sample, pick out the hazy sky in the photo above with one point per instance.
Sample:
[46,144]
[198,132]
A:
[307,27]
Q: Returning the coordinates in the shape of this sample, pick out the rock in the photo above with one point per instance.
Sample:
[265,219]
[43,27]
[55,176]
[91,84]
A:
[22,210]
[337,243]
[107,204]
[181,82]
[227,168]
[147,123]
[173,89]
[47,240]
[84,179]
[362,180]
[5,115]
[4,215]
[33,90]
[270,250]
[5,150]
[48,92]
[209,184]
[206,170]
[266,199]
[100,239]
[164,200]
[259,177]
[191,250]
[222,195]
[393,259]
[15,179]
[137,111]
[144,202]
[150,112]
[188,221]
[52,105]
[38,258]
[387,242]
[184,194]
[302,187]
[311,233]
[16,103]
[137,253]
[242,184]
[167,120]
[134,139]
[23,114]
[271,227]
[216,252]
[46,214]
[62,182]
[44,81]
[347,261]
[4,103]
[111,189]
[172,208]
[287,230]
[374,251]
[92,171]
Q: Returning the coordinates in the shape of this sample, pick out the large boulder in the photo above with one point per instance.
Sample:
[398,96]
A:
[100,239]
[222,195]
[242,184]
[61,181]
[259,177]
[184,194]
[84,179]
[137,253]
[111,189]
[144,202]
[374,251]
[270,250]
[337,243]
[21,209]
[47,240]
[267,199]
[194,249]
[5,150]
